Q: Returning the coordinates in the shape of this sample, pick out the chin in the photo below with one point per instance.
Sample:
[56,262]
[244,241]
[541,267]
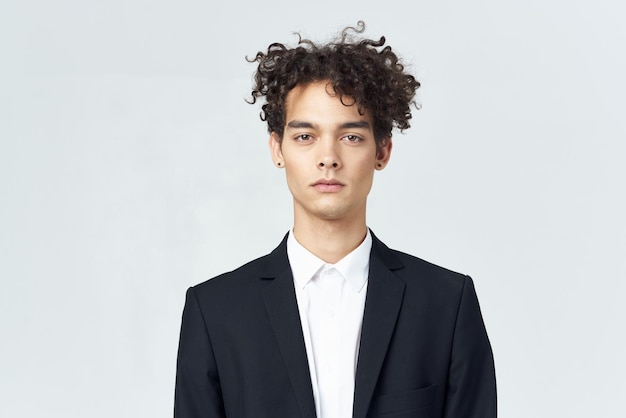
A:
[332,213]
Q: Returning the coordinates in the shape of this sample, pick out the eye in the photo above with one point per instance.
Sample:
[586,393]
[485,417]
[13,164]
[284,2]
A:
[303,137]
[352,138]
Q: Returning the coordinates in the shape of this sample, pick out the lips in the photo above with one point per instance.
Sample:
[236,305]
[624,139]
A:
[328,185]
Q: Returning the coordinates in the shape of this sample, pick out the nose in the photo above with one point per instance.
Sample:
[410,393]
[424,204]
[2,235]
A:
[328,156]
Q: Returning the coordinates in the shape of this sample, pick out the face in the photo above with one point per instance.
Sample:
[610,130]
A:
[329,154]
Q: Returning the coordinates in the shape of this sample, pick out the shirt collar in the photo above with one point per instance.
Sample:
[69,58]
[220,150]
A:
[354,267]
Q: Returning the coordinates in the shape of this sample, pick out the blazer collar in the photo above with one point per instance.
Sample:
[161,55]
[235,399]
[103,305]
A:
[277,260]
[385,292]
[282,309]
[382,305]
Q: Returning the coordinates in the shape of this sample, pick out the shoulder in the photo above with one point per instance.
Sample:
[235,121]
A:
[241,276]
[430,285]
[221,298]
[420,267]
[247,278]
[420,274]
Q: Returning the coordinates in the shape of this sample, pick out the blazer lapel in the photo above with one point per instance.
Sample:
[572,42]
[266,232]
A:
[282,310]
[382,305]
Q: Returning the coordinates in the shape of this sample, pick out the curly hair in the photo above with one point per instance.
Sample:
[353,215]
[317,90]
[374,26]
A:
[359,69]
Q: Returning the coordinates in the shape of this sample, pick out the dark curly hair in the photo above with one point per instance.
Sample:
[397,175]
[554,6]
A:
[362,69]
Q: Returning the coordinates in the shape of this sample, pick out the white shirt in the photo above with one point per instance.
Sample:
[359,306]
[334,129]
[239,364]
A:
[331,299]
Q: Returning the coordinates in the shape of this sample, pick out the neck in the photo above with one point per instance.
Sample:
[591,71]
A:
[330,240]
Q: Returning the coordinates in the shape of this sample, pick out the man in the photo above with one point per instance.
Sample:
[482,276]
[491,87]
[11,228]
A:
[332,323]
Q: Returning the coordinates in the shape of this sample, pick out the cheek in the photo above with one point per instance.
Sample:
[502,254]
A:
[294,160]
[293,175]
[366,166]
[365,178]
[368,182]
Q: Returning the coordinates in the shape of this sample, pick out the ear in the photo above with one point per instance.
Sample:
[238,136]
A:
[276,150]
[383,154]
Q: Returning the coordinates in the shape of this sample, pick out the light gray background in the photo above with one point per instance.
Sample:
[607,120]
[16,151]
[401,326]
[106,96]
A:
[131,168]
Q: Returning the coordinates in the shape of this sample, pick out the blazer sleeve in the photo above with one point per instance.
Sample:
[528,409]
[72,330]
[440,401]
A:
[197,393]
[471,390]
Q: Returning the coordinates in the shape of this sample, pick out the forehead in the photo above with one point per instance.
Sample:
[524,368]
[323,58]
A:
[319,101]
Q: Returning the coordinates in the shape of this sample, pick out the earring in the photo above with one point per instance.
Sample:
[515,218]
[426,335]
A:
[279,163]
[379,165]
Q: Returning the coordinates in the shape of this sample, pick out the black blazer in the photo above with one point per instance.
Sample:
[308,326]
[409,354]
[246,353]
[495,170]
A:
[423,353]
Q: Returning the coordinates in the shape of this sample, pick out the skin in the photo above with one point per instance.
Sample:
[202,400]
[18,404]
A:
[329,155]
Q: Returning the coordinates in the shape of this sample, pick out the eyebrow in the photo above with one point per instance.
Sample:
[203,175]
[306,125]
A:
[362,124]
[298,124]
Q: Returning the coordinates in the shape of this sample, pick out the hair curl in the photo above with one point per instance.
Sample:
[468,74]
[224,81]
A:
[361,69]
